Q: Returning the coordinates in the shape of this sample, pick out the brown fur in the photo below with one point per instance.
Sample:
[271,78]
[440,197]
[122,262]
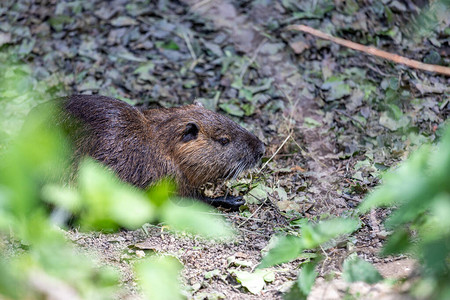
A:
[186,143]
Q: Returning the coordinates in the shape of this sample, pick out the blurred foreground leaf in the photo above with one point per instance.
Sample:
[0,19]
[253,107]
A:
[304,283]
[34,166]
[196,218]
[356,269]
[290,247]
[107,202]
[158,277]
[419,191]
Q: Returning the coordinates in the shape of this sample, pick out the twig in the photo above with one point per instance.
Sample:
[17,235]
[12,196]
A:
[188,44]
[244,69]
[253,232]
[273,155]
[373,51]
[325,260]
[254,213]
[200,4]
[309,155]
[293,105]
[350,117]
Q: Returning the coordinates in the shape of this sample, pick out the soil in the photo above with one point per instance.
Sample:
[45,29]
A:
[326,115]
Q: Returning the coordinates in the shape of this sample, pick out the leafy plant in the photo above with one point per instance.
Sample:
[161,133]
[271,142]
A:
[290,247]
[304,283]
[356,269]
[419,191]
[33,164]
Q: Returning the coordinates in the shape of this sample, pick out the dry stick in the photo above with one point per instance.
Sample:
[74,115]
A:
[200,4]
[273,155]
[291,116]
[252,59]
[308,154]
[373,51]
[188,44]
[253,214]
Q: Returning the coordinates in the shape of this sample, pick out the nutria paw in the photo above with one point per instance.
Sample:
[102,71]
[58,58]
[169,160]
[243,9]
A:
[232,203]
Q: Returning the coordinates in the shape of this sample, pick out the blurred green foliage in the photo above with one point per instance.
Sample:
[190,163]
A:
[432,16]
[357,269]
[30,159]
[304,283]
[419,192]
[311,237]
[33,168]
[156,275]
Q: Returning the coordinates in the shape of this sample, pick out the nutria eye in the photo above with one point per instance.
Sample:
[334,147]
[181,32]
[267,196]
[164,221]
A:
[223,141]
[190,132]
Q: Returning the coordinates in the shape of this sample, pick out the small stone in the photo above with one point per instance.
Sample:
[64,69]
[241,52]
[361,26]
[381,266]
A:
[140,253]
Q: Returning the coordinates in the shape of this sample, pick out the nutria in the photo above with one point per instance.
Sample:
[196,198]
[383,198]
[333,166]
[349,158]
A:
[190,144]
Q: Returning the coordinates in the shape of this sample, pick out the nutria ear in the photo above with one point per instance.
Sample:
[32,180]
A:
[197,103]
[190,132]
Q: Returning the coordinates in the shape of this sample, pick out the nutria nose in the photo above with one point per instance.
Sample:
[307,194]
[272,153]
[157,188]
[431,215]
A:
[261,150]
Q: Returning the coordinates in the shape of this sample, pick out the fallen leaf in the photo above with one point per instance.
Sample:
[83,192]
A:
[299,46]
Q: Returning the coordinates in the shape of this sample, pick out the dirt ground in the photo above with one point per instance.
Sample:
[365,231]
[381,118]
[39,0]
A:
[332,119]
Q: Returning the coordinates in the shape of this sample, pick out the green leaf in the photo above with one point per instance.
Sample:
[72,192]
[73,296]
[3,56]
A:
[394,83]
[266,84]
[307,277]
[356,269]
[396,111]
[295,293]
[232,108]
[392,123]
[398,242]
[434,257]
[58,21]
[144,71]
[158,277]
[253,282]
[171,45]
[304,283]
[336,87]
[256,195]
[441,211]
[440,161]
[402,184]
[282,195]
[211,274]
[196,218]
[311,123]
[130,209]
[245,94]
[249,109]
[160,192]
[109,203]
[313,236]
[286,248]
[64,197]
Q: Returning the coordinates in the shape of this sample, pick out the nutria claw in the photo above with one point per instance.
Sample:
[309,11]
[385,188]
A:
[232,203]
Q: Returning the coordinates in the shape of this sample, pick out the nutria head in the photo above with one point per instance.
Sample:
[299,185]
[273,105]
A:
[206,146]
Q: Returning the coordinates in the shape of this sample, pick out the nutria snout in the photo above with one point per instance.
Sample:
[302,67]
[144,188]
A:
[190,144]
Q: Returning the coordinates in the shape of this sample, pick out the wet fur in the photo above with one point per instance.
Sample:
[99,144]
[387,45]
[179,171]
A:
[143,146]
